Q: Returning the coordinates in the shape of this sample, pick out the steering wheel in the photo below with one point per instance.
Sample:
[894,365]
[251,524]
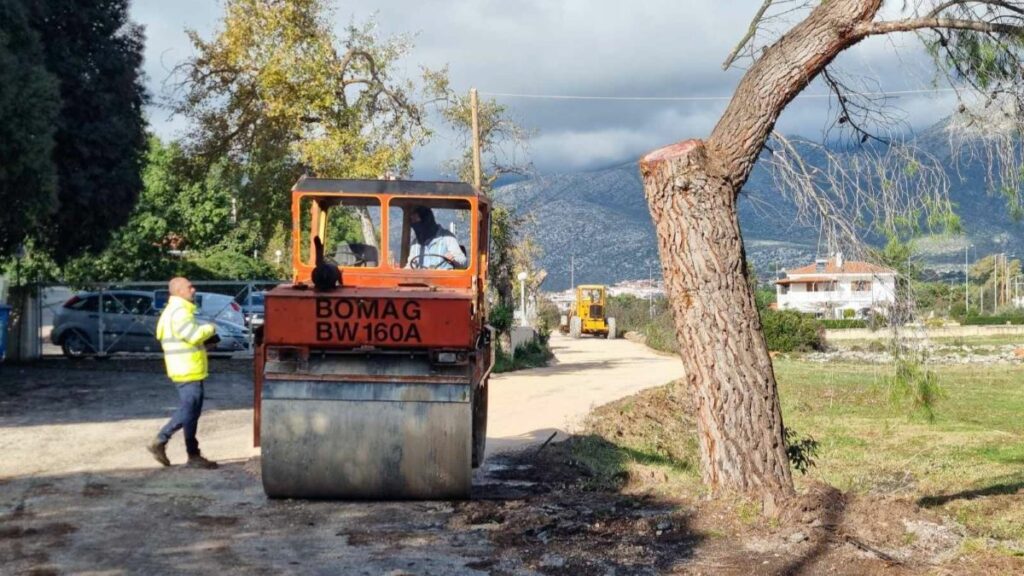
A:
[417,262]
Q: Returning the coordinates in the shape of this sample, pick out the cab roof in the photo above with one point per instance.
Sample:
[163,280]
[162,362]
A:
[392,187]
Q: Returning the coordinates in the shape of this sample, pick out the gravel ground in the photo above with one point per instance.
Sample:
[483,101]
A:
[79,494]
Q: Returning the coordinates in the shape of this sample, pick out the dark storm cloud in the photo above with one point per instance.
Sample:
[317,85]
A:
[665,48]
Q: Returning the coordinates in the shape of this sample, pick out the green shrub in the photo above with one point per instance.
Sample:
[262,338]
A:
[532,354]
[660,333]
[800,450]
[876,321]
[913,380]
[548,315]
[764,298]
[790,331]
[632,313]
[500,318]
[1014,319]
[849,313]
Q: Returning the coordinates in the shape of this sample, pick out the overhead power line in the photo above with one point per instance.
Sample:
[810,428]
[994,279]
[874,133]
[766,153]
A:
[701,98]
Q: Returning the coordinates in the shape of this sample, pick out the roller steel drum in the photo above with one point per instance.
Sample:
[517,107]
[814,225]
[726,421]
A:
[366,440]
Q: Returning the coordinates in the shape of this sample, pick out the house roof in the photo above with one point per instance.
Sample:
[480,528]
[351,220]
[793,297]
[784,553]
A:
[815,278]
[848,267]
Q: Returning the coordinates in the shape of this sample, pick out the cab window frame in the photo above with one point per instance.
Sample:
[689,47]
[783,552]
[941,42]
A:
[318,205]
[399,254]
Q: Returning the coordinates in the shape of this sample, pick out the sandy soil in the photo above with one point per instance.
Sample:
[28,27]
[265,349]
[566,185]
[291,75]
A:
[530,405]
[78,493]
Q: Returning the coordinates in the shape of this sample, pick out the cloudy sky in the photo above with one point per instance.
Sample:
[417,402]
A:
[608,48]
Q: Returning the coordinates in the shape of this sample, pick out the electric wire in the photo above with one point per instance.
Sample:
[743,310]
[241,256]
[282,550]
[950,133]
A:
[891,93]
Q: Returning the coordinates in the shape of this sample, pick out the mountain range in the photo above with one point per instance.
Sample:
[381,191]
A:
[595,227]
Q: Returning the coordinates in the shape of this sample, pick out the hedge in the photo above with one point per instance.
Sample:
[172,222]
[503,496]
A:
[833,324]
[992,320]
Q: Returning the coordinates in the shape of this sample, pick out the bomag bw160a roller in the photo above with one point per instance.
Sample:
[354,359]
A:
[372,364]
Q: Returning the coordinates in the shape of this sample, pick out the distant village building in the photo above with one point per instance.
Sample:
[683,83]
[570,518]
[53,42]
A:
[829,288]
[643,289]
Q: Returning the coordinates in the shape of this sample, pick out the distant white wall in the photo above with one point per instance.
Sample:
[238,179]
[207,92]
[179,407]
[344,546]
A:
[844,297]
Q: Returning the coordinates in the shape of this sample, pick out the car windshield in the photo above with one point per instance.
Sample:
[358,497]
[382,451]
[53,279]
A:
[429,233]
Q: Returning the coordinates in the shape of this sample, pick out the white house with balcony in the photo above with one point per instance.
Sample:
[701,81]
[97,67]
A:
[828,288]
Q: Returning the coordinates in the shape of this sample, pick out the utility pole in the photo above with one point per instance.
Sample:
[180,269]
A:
[1007,289]
[995,282]
[475,107]
[572,262]
[967,286]
[650,288]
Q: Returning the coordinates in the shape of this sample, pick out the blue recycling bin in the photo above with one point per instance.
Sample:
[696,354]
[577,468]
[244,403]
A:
[5,319]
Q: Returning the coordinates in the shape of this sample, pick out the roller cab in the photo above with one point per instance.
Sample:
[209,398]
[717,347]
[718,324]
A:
[372,382]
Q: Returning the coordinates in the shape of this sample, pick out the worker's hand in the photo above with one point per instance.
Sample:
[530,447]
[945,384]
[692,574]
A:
[212,341]
[449,256]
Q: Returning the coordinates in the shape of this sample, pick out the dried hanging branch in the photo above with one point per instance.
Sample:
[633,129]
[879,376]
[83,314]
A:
[751,31]
[988,134]
[772,16]
[875,192]
[864,113]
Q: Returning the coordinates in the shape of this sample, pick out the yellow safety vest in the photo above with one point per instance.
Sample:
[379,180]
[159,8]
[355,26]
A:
[182,339]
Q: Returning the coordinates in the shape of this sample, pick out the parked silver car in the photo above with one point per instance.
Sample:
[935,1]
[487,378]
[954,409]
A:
[253,309]
[99,323]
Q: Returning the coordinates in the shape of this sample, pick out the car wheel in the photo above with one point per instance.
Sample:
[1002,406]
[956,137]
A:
[75,345]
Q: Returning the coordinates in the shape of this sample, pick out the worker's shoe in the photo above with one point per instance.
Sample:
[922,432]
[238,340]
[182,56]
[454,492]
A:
[159,451]
[198,461]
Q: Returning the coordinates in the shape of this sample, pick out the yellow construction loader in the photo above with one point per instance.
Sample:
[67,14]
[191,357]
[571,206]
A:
[587,314]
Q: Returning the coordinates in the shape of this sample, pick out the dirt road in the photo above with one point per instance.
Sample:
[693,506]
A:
[528,406]
[78,493]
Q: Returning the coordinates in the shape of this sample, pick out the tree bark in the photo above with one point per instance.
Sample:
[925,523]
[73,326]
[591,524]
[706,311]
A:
[367,227]
[727,367]
[691,189]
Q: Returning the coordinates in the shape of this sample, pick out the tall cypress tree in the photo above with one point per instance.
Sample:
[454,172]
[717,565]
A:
[29,104]
[96,54]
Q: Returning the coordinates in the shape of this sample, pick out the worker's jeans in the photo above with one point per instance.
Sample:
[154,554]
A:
[186,417]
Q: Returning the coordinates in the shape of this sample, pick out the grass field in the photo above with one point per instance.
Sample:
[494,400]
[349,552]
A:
[967,464]
[968,341]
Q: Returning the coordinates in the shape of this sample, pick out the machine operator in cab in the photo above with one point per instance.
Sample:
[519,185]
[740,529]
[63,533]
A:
[435,247]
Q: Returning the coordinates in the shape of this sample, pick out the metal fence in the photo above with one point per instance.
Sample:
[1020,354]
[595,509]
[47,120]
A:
[108,319]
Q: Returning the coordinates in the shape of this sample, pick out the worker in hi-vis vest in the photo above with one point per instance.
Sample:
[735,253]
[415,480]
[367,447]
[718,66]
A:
[184,343]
